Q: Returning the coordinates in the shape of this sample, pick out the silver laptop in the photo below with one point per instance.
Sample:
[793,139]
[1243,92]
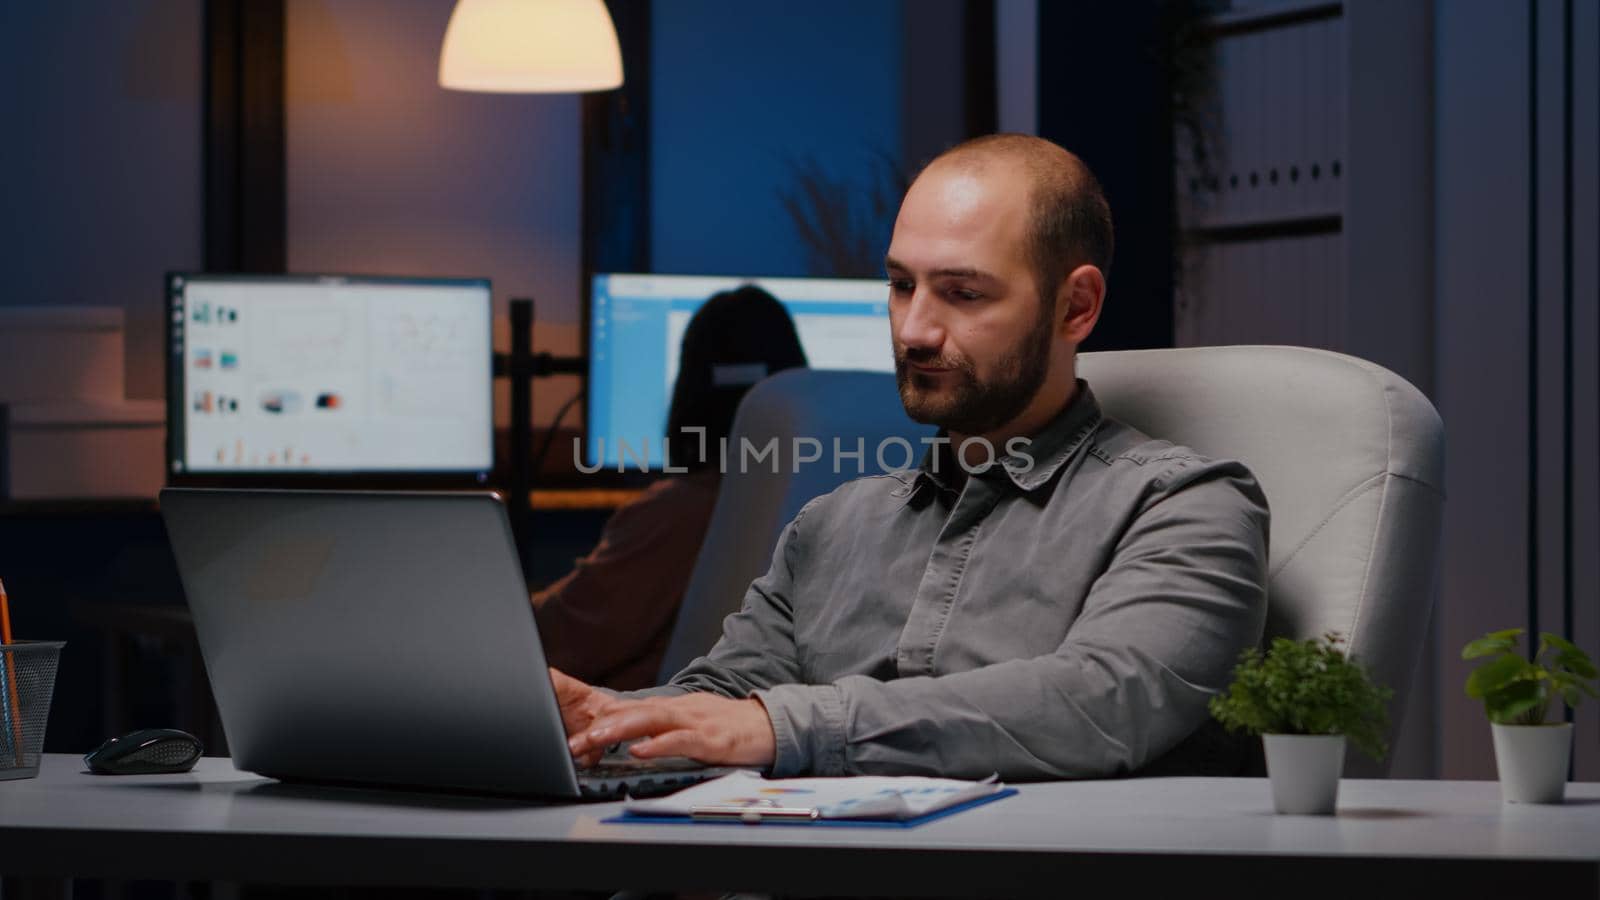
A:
[383,639]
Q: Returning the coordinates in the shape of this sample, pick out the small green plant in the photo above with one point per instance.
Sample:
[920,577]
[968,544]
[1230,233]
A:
[1518,691]
[1305,687]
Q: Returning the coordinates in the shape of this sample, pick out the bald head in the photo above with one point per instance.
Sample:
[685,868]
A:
[1070,221]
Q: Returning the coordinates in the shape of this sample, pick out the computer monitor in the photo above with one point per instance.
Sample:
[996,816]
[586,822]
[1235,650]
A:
[317,378]
[636,325]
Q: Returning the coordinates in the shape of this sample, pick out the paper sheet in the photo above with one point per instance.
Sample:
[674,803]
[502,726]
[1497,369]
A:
[862,797]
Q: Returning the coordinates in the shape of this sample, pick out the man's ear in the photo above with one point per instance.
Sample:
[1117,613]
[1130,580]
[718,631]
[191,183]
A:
[1078,302]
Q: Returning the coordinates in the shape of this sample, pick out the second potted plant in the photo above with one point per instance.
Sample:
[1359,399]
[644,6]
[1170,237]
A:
[1305,699]
[1531,756]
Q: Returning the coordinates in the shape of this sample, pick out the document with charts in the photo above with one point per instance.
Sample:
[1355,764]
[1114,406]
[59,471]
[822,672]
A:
[748,797]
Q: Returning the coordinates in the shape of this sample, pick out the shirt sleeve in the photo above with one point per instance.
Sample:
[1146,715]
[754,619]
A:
[1158,634]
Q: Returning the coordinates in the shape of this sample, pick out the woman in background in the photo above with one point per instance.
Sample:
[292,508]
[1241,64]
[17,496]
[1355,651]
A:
[607,622]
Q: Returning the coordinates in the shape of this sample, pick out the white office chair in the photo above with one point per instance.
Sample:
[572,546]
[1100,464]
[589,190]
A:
[1350,455]
[753,507]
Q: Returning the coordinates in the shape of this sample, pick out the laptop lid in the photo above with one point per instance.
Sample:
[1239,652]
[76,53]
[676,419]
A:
[384,638]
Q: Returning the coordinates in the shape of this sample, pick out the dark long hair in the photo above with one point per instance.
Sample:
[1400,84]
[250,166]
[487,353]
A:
[735,339]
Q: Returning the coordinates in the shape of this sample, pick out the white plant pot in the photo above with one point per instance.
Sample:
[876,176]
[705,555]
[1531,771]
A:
[1532,760]
[1304,770]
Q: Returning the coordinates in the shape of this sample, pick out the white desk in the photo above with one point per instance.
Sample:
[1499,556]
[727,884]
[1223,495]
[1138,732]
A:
[1198,835]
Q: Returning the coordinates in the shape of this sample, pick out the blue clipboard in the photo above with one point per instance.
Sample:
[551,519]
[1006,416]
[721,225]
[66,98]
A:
[638,819]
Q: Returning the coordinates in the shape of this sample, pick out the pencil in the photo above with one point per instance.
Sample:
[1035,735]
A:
[11,677]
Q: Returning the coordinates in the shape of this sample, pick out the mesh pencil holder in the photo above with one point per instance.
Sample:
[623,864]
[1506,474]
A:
[27,679]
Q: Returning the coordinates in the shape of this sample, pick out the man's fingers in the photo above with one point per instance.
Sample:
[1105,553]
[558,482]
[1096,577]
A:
[624,723]
[681,742]
[580,704]
[628,722]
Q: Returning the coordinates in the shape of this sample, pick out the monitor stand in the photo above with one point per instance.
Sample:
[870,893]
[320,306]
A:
[522,365]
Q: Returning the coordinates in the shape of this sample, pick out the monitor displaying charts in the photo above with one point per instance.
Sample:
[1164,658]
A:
[636,325]
[309,375]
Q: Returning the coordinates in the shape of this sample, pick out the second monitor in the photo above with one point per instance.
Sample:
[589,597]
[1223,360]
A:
[308,377]
[636,325]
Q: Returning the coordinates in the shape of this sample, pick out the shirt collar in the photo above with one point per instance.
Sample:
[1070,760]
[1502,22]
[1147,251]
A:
[1034,464]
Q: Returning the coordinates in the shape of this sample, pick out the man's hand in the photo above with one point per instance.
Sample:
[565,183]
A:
[711,729]
[580,706]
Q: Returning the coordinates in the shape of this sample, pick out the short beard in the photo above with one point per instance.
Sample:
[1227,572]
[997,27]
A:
[977,407]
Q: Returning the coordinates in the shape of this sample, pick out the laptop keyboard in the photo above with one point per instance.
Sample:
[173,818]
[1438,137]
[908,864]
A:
[614,778]
[624,768]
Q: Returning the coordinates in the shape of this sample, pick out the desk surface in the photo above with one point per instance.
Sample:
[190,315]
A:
[217,823]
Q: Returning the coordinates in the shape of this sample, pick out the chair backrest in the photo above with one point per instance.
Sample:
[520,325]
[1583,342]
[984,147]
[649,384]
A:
[1350,455]
[859,409]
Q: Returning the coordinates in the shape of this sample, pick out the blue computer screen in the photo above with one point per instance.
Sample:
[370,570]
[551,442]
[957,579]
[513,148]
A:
[636,328]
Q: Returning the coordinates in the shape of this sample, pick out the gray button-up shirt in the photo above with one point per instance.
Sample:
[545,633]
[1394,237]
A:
[1067,618]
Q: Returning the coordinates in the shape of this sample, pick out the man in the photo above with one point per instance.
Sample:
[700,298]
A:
[1065,611]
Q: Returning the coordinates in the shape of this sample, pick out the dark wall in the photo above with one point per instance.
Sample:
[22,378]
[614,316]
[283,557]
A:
[1103,95]
[742,96]
[101,161]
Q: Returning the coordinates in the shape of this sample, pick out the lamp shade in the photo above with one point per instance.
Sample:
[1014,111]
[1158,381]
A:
[530,46]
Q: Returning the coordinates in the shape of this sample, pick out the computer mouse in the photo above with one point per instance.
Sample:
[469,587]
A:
[152,751]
